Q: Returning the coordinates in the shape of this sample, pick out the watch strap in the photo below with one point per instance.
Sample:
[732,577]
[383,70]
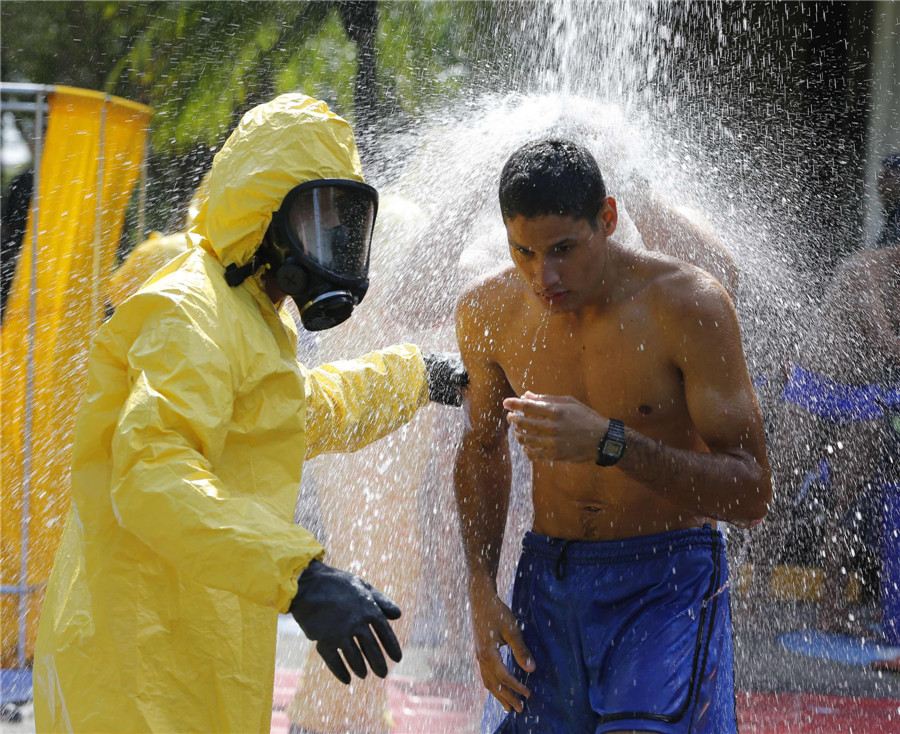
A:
[612,445]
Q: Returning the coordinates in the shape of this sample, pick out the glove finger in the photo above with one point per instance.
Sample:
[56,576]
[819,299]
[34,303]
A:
[385,604]
[354,657]
[372,651]
[388,639]
[330,655]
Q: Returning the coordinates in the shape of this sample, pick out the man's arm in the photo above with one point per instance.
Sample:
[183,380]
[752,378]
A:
[680,232]
[482,469]
[732,481]
[855,301]
[482,475]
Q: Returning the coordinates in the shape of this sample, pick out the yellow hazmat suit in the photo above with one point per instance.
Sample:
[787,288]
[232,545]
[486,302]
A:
[144,260]
[179,550]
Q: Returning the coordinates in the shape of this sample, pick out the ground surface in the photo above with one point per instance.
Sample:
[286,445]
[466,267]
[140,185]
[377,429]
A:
[779,691]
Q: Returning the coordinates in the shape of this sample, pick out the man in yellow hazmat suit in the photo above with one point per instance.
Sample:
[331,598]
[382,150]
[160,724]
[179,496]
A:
[179,551]
[144,260]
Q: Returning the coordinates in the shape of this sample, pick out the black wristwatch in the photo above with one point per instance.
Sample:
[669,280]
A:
[612,445]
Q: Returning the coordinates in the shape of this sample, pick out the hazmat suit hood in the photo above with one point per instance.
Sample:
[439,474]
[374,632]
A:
[278,145]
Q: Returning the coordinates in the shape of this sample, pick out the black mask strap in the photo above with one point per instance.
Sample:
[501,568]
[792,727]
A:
[235,275]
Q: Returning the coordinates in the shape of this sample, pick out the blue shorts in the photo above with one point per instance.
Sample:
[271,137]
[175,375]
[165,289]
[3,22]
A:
[630,634]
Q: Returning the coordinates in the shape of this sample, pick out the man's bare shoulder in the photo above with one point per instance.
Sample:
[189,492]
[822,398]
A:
[867,263]
[687,304]
[860,277]
[490,295]
[677,287]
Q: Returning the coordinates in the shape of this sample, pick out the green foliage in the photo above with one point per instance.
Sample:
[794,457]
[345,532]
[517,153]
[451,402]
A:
[73,43]
[201,64]
[421,54]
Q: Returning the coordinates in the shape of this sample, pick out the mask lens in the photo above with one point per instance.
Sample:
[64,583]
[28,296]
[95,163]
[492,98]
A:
[333,227]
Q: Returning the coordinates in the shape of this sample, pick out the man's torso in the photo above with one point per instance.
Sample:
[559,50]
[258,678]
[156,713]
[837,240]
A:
[618,361]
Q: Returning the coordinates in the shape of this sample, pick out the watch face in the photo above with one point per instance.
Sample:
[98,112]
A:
[612,448]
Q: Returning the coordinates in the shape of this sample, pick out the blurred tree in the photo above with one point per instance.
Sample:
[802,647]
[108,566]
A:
[793,81]
[73,43]
[201,65]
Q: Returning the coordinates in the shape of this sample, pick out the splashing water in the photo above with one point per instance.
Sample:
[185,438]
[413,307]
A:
[540,331]
[603,74]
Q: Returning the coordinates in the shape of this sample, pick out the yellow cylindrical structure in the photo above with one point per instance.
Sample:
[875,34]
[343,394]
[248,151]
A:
[91,159]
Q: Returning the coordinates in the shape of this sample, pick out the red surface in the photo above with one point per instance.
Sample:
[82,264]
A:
[891,666]
[438,707]
[805,713]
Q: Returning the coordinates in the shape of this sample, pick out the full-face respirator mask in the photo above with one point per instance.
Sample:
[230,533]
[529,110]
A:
[317,248]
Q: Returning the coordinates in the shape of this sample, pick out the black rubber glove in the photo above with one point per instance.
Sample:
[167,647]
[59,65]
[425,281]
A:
[446,378]
[339,611]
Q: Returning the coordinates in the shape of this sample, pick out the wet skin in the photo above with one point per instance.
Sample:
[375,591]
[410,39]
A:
[578,331]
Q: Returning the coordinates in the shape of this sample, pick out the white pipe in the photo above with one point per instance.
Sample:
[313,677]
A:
[8,106]
[29,377]
[883,132]
[26,88]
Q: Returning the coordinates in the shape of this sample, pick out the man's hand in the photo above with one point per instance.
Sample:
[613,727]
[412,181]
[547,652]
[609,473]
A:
[495,625]
[555,428]
[339,611]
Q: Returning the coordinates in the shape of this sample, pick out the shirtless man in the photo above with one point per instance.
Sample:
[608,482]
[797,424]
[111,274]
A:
[619,618]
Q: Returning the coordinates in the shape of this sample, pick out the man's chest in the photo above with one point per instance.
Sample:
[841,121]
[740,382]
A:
[629,373]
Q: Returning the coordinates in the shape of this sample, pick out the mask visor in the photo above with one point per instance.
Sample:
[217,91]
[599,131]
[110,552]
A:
[330,223]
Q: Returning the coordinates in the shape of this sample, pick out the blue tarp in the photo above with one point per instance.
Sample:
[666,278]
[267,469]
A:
[837,402]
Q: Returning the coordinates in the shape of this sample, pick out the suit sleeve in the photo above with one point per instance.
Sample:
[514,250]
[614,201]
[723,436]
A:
[351,403]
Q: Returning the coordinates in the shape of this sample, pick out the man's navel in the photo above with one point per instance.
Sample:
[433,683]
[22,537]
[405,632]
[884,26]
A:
[595,522]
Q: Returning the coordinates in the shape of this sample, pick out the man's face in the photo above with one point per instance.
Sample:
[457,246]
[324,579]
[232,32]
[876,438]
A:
[562,258]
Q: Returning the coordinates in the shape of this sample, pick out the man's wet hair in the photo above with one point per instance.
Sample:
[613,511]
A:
[551,176]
